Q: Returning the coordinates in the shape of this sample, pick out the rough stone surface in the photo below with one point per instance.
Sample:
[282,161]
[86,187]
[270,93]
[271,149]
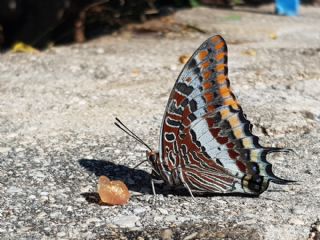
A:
[57,135]
[126,221]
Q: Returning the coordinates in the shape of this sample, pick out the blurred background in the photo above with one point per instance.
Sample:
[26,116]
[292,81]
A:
[40,23]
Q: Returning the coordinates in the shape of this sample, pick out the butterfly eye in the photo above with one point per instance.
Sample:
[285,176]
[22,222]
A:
[152,158]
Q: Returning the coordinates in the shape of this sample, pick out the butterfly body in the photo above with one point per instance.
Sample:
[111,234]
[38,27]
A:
[206,143]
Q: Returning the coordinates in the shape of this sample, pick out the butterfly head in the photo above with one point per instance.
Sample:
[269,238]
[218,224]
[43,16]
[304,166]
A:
[152,157]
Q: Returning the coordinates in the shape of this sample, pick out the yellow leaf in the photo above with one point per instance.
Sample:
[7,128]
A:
[21,47]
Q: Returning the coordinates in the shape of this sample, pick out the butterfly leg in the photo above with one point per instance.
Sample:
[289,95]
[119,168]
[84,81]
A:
[185,183]
[155,181]
[187,187]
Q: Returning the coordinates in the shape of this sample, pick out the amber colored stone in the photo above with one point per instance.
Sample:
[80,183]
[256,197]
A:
[112,192]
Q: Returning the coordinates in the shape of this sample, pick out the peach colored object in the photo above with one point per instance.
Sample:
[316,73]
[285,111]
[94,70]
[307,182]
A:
[112,192]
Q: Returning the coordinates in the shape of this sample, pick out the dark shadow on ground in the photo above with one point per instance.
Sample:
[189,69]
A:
[135,179]
[138,180]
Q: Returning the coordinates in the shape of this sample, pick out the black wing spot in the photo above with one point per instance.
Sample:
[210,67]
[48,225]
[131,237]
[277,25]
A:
[206,155]
[228,134]
[182,135]
[225,125]
[219,162]
[196,70]
[171,157]
[255,141]
[204,152]
[225,58]
[172,122]
[193,105]
[253,168]
[192,63]
[184,89]
[255,183]
[244,154]
[185,102]
[194,138]
[268,170]
[228,83]
[174,109]
[238,144]
[217,118]
[192,117]
[170,137]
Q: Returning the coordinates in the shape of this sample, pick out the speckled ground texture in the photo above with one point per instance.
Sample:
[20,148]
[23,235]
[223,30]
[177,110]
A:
[57,135]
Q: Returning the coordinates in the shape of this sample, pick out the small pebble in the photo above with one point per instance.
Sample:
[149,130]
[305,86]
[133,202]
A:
[100,51]
[126,221]
[296,221]
[158,218]
[163,211]
[4,149]
[61,234]
[220,235]
[32,197]
[166,234]
[139,210]
[191,236]
[14,190]
[170,218]
[41,215]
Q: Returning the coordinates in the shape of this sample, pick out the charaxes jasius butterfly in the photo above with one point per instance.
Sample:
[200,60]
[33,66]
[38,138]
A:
[206,141]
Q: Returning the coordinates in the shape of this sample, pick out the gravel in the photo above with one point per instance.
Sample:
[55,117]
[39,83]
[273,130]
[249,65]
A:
[57,135]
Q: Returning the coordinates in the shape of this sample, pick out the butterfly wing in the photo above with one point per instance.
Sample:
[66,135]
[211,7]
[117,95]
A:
[205,133]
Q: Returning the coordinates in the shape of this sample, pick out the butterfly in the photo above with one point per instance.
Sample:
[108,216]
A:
[206,141]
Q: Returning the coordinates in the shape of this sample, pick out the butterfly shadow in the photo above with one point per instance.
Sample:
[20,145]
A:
[137,180]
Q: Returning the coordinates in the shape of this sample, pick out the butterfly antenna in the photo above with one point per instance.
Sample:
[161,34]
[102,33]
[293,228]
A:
[124,128]
[140,164]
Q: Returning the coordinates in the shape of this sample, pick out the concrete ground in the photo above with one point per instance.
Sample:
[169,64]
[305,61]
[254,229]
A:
[57,110]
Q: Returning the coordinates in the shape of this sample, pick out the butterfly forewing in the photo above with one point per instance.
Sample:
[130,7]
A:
[206,141]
